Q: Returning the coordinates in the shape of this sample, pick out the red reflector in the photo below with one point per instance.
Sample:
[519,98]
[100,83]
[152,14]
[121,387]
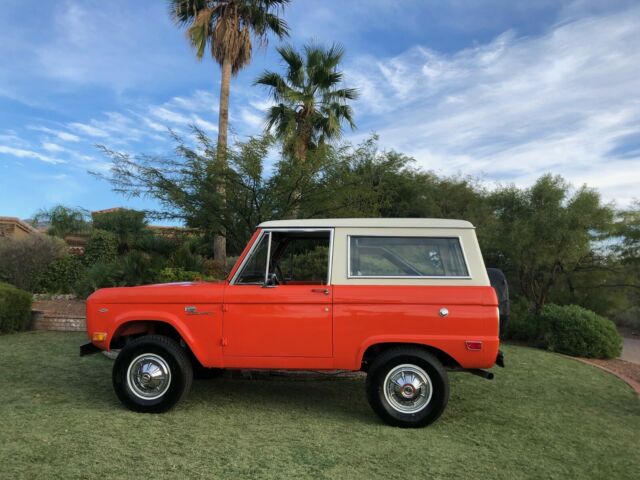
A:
[473,345]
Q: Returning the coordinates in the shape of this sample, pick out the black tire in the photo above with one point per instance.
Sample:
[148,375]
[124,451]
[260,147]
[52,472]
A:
[420,362]
[162,353]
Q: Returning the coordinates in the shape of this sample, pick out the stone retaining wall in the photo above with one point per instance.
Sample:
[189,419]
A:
[64,323]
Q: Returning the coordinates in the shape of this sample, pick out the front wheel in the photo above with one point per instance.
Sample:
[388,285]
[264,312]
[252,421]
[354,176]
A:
[152,374]
[407,387]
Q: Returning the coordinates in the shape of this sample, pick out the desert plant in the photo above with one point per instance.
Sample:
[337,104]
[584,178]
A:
[61,275]
[99,275]
[15,308]
[170,274]
[24,260]
[576,331]
[102,247]
[129,226]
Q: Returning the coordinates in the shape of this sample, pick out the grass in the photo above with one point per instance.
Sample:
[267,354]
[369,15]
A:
[544,416]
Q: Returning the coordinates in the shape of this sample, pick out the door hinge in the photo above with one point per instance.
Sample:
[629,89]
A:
[224,342]
[225,308]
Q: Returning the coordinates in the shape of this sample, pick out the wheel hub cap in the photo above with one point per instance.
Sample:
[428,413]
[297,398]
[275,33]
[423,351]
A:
[408,388]
[148,376]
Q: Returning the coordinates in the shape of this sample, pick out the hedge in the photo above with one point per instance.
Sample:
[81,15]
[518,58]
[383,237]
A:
[576,331]
[15,309]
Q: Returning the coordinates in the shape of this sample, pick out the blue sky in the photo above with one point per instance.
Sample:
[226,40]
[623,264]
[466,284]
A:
[505,91]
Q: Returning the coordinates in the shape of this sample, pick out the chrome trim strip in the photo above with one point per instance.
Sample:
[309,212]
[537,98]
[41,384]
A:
[266,272]
[410,277]
[246,259]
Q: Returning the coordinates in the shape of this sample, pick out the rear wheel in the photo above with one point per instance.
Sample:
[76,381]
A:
[152,374]
[407,387]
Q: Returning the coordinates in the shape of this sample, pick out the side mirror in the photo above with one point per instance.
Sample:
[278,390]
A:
[272,281]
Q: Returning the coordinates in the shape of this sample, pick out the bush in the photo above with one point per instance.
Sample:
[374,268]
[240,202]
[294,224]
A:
[100,275]
[168,275]
[128,226]
[102,247]
[524,326]
[15,308]
[576,331]
[24,260]
[61,275]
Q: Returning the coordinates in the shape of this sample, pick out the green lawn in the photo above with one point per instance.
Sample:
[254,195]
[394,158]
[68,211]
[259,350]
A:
[543,416]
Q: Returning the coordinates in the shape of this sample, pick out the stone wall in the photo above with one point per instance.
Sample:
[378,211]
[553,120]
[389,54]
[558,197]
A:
[64,323]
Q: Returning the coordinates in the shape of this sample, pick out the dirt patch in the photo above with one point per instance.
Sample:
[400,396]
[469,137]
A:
[70,307]
[627,369]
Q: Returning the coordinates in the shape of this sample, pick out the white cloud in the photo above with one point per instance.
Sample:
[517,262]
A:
[90,130]
[62,135]
[567,101]
[52,147]
[23,153]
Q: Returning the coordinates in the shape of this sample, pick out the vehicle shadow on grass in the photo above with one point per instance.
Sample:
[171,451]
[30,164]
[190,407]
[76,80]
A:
[338,398]
[329,396]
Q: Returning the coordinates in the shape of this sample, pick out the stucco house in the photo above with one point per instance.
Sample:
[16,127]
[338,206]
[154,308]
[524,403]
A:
[13,227]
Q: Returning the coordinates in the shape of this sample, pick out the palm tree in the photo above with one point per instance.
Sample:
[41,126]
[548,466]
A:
[311,105]
[228,27]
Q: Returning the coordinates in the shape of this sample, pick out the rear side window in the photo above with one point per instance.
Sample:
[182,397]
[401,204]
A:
[406,257]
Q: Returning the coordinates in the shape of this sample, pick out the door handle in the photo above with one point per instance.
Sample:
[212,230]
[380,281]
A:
[320,290]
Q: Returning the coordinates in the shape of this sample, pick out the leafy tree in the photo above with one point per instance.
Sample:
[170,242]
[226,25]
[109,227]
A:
[227,28]
[185,184]
[543,232]
[129,226]
[311,105]
[63,221]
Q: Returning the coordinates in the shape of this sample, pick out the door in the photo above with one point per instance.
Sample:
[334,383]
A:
[280,302]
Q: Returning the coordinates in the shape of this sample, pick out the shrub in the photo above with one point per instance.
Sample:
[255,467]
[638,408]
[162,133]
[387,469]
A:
[24,260]
[61,275]
[100,275]
[169,274]
[128,226]
[139,268]
[186,259]
[153,243]
[15,308]
[576,331]
[102,247]
[524,326]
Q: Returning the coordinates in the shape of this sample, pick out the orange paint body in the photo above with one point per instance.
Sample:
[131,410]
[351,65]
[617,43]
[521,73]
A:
[303,326]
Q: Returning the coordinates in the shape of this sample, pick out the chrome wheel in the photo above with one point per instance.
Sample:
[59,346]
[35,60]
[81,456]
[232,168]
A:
[148,376]
[407,388]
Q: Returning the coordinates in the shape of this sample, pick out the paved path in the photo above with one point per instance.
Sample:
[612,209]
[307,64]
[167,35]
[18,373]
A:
[631,350]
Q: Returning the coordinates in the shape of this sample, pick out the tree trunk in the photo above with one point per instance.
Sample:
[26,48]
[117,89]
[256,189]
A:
[220,241]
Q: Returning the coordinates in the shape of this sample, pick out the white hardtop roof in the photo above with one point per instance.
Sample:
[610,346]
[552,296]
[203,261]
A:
[368,223]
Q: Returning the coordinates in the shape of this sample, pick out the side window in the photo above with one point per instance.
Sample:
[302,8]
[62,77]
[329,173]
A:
[300,257]
[291,257]
[253,272]
[406,257]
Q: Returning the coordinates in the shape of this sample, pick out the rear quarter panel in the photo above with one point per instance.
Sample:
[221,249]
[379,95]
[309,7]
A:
[372,314]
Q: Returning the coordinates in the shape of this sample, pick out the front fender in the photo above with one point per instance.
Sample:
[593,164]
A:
[171,319]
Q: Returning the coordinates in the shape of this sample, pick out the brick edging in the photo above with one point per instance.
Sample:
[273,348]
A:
[635,386]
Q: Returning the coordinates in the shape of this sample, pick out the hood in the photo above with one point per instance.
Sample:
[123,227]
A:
[181,292]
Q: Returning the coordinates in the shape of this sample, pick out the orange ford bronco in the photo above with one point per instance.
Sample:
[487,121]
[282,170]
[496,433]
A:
[404,300]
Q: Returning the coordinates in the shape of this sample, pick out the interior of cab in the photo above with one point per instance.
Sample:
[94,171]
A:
[288,258]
